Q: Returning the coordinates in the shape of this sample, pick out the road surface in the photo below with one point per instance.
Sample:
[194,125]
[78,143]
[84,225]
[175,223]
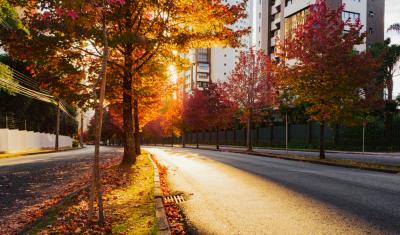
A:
[370,157]
[27,181]
[230,193]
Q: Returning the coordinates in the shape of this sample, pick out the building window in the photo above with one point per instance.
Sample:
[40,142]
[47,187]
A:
[202,55]
[202,84]
[288,2]
[203,76]
[295,20]
[352,16]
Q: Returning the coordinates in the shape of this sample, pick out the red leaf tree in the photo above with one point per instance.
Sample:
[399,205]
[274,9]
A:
[195,112]
[251,86]
[320,66]
[220,109]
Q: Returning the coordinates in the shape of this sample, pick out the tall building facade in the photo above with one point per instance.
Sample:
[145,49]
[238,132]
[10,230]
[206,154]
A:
[215,64]
[284,15]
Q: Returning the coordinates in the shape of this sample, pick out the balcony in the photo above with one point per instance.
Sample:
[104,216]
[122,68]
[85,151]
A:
[274,10]
[277,19]
[273,26]
[203,68]
[273,41]
[277,4]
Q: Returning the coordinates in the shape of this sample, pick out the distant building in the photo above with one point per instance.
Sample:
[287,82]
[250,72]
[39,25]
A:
[215,64]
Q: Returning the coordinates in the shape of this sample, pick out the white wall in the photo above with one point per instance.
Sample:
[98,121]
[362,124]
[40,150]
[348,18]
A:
[20,140]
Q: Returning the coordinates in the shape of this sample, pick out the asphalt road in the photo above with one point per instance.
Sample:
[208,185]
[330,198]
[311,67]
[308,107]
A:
[28,180]
[370,157]
[230,193]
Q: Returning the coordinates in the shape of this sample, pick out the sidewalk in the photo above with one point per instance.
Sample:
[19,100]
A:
[381,162]
[34,151]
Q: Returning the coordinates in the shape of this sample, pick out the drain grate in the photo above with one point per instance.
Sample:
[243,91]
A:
[175,198]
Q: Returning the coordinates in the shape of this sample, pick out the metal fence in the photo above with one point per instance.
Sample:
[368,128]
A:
[45,125]
[304,136]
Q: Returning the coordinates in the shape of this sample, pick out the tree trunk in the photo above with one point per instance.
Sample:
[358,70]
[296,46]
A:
[217,140]
[389,84]
[96,178]
[248,139]
[321,141]
[197,139]
[172,136]
[137,124]
[183,139]
[129,156]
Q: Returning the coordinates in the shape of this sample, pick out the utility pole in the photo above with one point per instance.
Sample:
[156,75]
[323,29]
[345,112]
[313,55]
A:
[81,135]
[58,124]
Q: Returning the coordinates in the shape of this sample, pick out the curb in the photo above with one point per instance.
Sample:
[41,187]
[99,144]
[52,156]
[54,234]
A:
[301,159]
[162,222]
[296,149]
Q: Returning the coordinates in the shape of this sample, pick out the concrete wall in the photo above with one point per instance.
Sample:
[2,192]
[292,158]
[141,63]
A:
[20,140]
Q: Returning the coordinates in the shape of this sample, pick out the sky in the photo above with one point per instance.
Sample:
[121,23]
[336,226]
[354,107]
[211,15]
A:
[392,15]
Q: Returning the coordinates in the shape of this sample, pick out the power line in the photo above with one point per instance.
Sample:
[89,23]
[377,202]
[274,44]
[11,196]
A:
[17,88]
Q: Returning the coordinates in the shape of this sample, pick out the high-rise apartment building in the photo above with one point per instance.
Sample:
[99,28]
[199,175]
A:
[270,21]
[284,15]
[215,64]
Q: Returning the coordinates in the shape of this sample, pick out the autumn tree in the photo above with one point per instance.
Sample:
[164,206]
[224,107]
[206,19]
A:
[250,86]
[172,116]
[111,128]
[219,108]
[137,30]
[319,64]
[195,113]
[153,130]
[152,84]
[150,27]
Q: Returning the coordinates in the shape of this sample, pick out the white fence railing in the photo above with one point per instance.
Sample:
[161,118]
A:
[20,140]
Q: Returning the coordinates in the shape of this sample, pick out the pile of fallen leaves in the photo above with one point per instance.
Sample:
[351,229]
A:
[172,210]
[16,221]
[73,219]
